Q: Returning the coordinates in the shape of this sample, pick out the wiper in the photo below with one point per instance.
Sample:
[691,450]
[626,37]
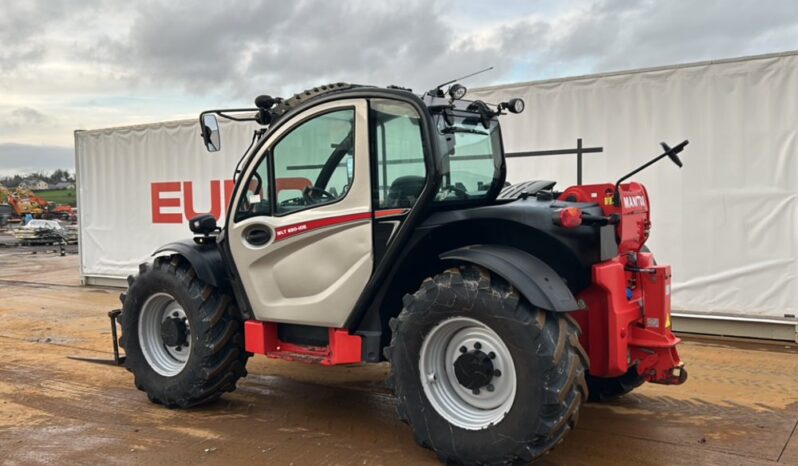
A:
[457,129]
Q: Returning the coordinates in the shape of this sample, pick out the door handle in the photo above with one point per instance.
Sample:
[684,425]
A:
[258,236]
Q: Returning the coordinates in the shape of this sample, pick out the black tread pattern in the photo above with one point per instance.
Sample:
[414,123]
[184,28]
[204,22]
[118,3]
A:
[566,361]
[220,347]
[283,106]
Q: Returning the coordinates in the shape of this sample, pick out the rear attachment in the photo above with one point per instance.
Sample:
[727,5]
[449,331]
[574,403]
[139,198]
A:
[113,315]
[262,338]
[628,322]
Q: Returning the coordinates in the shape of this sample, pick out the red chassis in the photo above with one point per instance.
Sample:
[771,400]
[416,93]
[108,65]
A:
[627,318]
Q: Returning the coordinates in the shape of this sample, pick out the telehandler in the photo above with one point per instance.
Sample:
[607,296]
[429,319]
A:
[372,224]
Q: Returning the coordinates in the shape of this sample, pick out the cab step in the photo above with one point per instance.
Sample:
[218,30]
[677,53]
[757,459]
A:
[262,338]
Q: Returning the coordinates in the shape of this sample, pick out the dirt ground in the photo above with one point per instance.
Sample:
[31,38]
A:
[57,406]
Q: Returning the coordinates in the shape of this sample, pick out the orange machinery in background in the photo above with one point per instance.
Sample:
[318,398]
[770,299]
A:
[24,201]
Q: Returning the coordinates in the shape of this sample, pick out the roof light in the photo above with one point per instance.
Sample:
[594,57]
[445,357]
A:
[457,91]
[516,105]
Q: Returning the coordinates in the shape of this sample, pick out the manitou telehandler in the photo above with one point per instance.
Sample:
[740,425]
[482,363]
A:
[366,224]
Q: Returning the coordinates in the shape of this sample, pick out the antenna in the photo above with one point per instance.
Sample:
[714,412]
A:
[464,77]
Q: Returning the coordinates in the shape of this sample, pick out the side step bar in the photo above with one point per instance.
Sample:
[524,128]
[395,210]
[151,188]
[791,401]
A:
[261,338]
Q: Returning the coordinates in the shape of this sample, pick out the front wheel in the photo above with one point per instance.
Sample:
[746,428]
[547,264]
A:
[183,338]
[480,375]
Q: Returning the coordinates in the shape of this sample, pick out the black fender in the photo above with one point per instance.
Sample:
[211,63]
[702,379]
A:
[206,259]
[532,277]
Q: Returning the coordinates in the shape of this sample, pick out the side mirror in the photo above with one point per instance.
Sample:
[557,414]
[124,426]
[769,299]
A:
[210,132]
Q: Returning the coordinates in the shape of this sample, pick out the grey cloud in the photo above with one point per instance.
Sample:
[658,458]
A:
[22,117]
[619,34]
[291,45]
[24,25]
[287,46]
[196,44]
[27,158]
[27,116]
[357,42]
[235,50]
[17,27]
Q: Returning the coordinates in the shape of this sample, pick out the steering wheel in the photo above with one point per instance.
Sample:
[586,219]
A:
[320,195]
[459,193]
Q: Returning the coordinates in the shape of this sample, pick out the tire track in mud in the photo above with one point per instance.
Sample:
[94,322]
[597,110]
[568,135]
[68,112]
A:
[755,430]
[103,415]
[52,392]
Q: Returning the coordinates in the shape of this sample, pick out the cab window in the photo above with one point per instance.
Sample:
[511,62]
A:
[473,157]
[400,166]
[313,165]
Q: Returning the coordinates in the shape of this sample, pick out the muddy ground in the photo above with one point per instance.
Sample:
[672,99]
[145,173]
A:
[59,406]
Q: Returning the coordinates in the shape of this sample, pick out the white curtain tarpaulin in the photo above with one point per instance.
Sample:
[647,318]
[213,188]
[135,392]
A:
[726,222]
[139,185]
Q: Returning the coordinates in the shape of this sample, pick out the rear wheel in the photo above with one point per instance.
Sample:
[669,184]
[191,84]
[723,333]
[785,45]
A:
[183,338]
[480,375]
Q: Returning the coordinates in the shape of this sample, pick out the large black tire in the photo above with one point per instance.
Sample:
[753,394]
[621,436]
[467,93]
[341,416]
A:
[549,364]
[217,356]
[606,389]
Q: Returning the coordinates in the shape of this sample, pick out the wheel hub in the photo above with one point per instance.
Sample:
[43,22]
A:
[473,370]
[164,334]
[467,372]
[174,332]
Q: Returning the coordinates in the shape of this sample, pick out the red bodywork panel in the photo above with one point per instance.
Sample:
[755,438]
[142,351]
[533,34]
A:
[634,225]
[261,338]
[626,321]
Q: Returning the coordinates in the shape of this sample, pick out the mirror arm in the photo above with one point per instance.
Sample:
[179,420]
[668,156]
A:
[224,114]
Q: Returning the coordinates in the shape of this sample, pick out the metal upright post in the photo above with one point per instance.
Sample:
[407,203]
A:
[579,162]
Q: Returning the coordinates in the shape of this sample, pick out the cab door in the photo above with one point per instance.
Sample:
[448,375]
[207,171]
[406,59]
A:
[301,233]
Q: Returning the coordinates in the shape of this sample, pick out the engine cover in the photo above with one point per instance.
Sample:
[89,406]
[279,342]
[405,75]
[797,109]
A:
[632,212]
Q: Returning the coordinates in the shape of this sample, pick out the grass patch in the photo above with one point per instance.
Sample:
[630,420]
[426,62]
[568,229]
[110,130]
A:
[59,196]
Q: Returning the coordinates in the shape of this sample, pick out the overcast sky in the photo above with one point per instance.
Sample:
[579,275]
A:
[67,65]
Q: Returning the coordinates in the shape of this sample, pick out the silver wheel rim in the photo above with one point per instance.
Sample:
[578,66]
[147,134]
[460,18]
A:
[165,360]
[457,404]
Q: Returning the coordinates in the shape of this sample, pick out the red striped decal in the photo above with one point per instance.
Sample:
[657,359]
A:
[390,213]
[304,227]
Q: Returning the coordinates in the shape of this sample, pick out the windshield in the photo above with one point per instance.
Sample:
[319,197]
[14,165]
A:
[472,156]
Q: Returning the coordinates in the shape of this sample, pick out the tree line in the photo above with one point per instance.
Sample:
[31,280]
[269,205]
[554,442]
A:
[56,176]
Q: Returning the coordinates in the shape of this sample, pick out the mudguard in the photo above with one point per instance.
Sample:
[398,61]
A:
[206,259]
[532,277]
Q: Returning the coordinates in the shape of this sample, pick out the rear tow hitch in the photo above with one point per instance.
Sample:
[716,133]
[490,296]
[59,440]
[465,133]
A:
[113,315]
[678,376]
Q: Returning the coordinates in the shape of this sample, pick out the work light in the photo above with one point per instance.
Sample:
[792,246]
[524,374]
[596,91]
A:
[457,91]
[516,105]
